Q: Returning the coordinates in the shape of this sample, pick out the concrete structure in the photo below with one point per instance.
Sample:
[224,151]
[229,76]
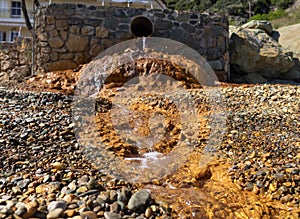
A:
[69,35]
[12,21]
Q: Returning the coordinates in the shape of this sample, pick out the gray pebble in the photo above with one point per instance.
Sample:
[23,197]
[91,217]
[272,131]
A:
[139,201]
[57,204]
[112,215]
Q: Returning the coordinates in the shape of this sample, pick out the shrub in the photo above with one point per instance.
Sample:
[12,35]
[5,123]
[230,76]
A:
[282,3]
[279,13]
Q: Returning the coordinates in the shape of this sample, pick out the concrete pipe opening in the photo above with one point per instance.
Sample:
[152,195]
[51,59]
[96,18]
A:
[141,27]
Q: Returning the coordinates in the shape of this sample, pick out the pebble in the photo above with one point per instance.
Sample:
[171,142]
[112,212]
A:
[139,201]
[56,204]
[70,212]
[88,215]
[112,215]
[31,209]
[148,213]
[59,165]
[48,174]
[56,213]
[23,183]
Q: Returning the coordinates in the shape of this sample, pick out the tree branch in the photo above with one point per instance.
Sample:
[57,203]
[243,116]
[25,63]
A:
[36,2]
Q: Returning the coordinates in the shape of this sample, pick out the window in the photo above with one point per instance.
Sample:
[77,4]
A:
[16,9]
[2,36]
[13,34]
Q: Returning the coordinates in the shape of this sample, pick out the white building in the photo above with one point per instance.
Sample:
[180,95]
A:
[12,22]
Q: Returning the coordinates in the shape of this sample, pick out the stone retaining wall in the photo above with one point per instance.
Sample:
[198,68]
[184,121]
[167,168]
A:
[69,35]
[15,59]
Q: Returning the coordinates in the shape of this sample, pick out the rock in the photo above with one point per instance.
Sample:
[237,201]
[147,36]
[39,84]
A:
[95,50]
[93,184]
[56,213]
[216,65]
[115,207]
[254,51]
[69,197]
[148,212]
[20,211]
[77,43]
[19,73]
[16,190]
[89,215]
[61,65]
[59,165]
[253,78]
[112,215]
[88,30]
[275,35]
[82,181]
[139,201]
[31,209]
[259,24]
[199,172]
[294,73]
[57,204]
[82,189]
[56,42]
[70,212]
[161,24]
[102,32]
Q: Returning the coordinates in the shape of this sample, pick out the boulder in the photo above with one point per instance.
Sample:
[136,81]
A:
[253,79]
[294,73]
[266,26]
[255,51]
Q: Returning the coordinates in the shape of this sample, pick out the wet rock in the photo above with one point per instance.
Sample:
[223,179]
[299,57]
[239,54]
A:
[200,173]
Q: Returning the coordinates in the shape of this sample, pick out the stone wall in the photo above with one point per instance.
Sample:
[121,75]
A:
[15,59]
[69,35]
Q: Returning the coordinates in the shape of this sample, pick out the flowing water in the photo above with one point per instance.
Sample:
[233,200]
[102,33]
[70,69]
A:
[151,130]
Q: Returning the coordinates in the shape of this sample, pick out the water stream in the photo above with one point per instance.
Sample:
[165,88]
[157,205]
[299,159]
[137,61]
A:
[132,105]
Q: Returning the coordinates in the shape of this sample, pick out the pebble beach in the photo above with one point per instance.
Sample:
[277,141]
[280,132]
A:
[44,173]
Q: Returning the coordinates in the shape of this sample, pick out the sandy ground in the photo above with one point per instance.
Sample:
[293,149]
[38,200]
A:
[290,38]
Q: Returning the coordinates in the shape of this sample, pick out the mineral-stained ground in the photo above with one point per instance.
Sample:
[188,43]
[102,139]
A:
[46,172]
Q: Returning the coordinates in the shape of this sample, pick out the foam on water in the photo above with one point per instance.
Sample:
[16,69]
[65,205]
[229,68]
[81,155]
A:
[147,158]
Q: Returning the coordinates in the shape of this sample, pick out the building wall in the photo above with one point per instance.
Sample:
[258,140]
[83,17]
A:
[69,35]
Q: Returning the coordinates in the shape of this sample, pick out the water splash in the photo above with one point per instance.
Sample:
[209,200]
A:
[157,164]
[144,43]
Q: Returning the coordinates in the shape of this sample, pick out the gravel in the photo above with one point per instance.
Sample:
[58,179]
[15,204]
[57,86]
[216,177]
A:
[44,174]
